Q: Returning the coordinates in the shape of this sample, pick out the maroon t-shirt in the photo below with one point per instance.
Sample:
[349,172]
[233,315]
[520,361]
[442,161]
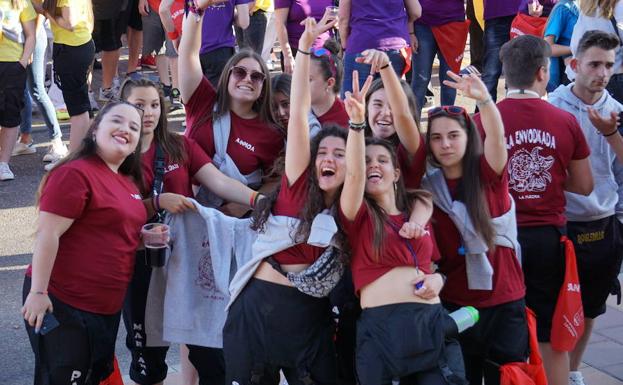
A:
[541,140]
[252,143]
[95,257]
[290,202]
[177,175]
[413,166]
[336,114]
[395,252]
[508,282]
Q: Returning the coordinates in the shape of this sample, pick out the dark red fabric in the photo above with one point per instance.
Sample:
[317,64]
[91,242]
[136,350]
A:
[177,176]
[336,114]
[412,167]
[95,257]
[451,39]
[508,281]
[568,319]
[395,253]
[252,144]
[290,202]
[528,25]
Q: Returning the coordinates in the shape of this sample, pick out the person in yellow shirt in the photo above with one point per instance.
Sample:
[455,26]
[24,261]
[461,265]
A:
[253,36]
[17,41]
[71,22]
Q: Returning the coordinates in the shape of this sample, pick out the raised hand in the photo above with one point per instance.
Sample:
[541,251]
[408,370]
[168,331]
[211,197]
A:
[605,126]
[355,101]
[535,9]
[470,85]
[375,58]
[314,29]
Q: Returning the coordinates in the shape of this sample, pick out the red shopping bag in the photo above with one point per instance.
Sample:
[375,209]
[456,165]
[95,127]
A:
[528,25]
[568,320]
[526,373]
[115,376]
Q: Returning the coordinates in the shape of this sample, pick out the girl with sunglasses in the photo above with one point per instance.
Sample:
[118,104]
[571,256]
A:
[271,325]
[233,124]
[184,161]
[90,216]
[475,226]
[400,333]
[325,76]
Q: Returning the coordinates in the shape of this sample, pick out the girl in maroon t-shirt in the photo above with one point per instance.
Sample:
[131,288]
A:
[184,161]
[325,76]
[476,176]
[271,325]
[88,228]
[391,263]
[243,95]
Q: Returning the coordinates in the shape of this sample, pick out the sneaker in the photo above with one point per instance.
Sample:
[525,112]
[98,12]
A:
[62,114]
[148,61]
[106,94]
[23,149]
[175,100]
[5,172]
[94,105]
[576,378]
[57,151]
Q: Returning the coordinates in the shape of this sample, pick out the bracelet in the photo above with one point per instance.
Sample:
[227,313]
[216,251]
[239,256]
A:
[612,133]
[45,292]
[252,199]
[412,33]
[192,8]
[481,103]
[173,35]
[304,52]
[356,126]
[385,66]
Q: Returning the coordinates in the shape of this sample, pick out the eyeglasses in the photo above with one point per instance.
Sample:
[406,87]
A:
[323,52]
[448,110]
[241,73]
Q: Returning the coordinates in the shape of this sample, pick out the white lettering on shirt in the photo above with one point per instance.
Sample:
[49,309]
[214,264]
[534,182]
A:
[136,196]
[246,145]
[75,375]
[531,136]
[171,167]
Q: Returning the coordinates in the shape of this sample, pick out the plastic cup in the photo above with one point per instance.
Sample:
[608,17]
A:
[155,239]
[333,10]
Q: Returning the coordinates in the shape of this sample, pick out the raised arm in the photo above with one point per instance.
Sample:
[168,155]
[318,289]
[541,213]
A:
[495,143]
[281,17]
[297,146]
[351,198]
[406,128]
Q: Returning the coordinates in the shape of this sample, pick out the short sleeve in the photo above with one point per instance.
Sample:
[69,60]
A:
[28,13]
[292,197]
[201,102]
[197,158]
[273,154]
[555,24]
[489,176]
[66,193]
[283,4]
[354,225]
[412,166]
[582,150]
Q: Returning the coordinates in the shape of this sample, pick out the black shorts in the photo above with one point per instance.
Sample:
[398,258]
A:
[271,327]
[543,265]
[407,340]
[148,364]
[71,71]
[499,337]
[107,33]
[343,299]
[12,85]
[134,19]
[79,351]
[598,249]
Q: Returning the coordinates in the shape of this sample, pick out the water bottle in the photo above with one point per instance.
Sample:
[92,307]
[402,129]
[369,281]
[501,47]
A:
[460,320]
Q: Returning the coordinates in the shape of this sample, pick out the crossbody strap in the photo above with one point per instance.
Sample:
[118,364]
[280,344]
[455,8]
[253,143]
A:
[409,245]
[158,184]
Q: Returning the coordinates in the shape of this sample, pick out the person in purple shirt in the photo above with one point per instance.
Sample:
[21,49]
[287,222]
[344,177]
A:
[434,13]
[547,6]
[217,36]
[373,24]
[288,17]
[498,15]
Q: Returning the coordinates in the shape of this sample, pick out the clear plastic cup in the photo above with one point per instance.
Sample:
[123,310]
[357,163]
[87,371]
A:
[333,11]
[156,239]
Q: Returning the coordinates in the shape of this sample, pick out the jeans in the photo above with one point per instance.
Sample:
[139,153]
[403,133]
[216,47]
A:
[423,65]
[253,36]
[497,32]
[36,85]
[350,65]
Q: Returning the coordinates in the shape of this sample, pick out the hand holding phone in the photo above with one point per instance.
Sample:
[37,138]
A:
[49,323]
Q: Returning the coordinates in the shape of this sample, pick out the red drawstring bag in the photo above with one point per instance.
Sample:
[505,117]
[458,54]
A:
[115,376]
[526,373]
[528,25]
[568,320]
[451,39]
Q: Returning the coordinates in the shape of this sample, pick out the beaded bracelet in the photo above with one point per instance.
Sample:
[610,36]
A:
[304,52]
[385,66]
[356,126]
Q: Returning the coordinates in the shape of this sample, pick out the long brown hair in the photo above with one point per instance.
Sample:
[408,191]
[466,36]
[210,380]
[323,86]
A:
[131,165]
[50,6]
[470,189]
[606,8]
[172,143]
[405,200]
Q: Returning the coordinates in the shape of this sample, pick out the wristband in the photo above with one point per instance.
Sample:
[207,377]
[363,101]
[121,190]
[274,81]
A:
[173,35]
[412,33]
[356,126]
[612,133]
[257,198]
[45,292]
[192,8]
[304,52]
[253,198]
[481,103]
[385,66]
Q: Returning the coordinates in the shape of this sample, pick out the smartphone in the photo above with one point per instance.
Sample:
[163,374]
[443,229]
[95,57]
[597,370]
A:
[49,323]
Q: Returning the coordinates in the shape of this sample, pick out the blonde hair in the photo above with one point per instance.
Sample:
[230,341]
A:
[18,4]
[605,7]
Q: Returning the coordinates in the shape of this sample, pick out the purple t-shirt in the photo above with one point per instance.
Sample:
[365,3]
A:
[377,24]
[217,28]
[500,8]
[299,10]
[548,5]
[439,12]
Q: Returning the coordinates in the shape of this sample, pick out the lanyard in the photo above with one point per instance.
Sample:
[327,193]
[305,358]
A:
[409,246]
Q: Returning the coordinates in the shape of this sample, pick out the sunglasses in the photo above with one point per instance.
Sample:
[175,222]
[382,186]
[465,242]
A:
[241,73]
[448,110]
[323,52]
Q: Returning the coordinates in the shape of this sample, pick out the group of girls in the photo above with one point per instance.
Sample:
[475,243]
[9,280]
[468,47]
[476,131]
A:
[92,206]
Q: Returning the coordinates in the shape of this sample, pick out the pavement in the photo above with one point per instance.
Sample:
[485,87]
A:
[603,361]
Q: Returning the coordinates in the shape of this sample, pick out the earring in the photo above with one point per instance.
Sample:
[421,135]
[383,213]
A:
[395,187]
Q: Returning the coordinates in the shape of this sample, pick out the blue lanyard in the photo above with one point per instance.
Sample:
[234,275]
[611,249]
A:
[409,246]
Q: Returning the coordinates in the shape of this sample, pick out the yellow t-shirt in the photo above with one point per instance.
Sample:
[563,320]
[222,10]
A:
[82,31]
[10,23]
[264,5]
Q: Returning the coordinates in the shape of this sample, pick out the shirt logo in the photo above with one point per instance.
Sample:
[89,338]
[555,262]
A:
[246,145]
[136,196]
[171,167]
[529,172]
